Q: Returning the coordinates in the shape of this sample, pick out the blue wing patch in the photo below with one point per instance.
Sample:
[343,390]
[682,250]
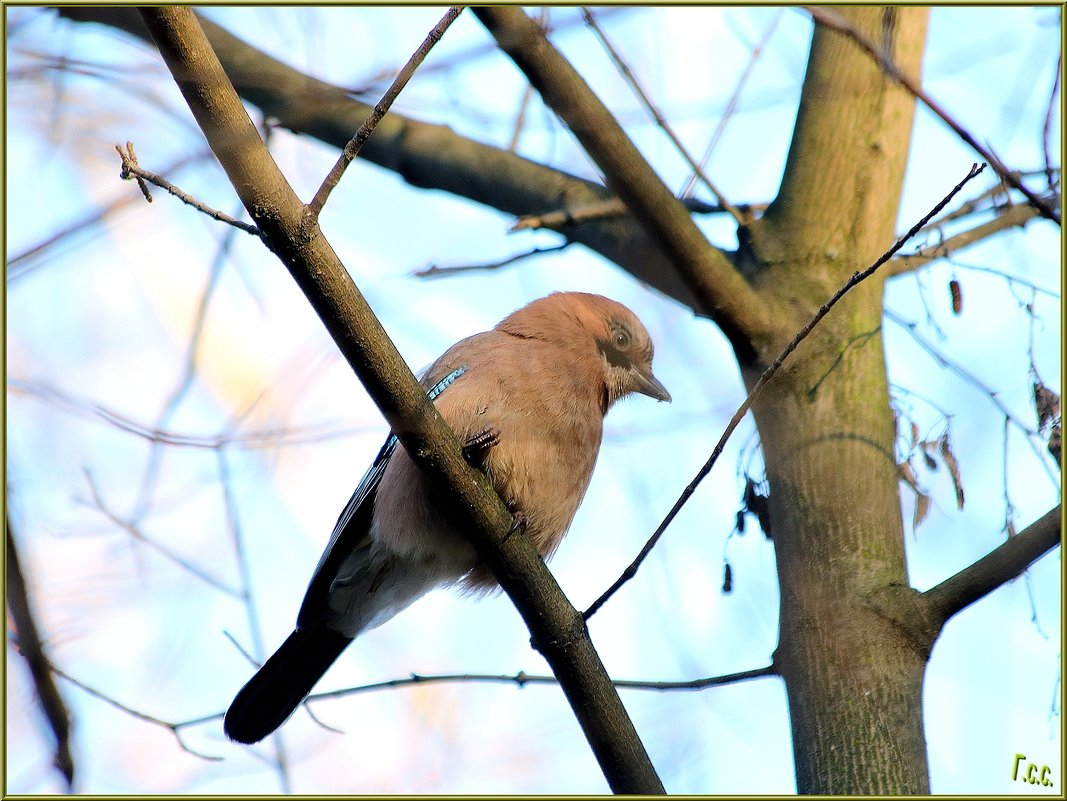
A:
[354,522]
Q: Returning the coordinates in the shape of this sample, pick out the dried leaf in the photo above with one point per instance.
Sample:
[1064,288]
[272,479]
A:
[1047,404]
[922,509]
[727,579]
[949,458]
[750,493]
[1055,443]
[914,434]
[931,462]
[756,503]
[907,474]
[957,296]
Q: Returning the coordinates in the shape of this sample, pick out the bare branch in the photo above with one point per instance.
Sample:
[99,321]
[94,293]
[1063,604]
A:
[831,19]
[174,727]
[436,271]
[556,627]
[132,170]
[657,115]
[19,265]
[355,144]
[767,375]
[227,440]
[135,532]
[1011,217]
[611,209]
[996,197]
[999,566]
[522,679]
[28,641]
[974,381]
[233,521]
[722,292]
[423,154]
[731,107]
[1046,130]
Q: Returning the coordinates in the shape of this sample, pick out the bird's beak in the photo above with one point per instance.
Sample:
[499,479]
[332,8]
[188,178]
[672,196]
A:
[648,384]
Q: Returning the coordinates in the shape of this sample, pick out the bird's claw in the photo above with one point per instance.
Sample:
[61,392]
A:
[520,522]
[476,448]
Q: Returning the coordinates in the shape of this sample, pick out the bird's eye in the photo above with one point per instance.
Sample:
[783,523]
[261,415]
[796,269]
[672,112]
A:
[622,340]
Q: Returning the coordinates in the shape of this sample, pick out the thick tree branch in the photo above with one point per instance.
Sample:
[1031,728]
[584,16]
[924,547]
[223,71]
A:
[995,568]
[721,290]
[293,234]
[28,641]
[425,155]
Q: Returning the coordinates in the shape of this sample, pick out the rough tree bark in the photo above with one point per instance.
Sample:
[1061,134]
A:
[854,681]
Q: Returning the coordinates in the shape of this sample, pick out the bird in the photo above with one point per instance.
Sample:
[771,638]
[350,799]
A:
[527,400]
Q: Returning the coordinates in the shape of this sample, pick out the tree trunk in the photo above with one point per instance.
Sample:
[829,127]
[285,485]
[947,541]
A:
[854,681]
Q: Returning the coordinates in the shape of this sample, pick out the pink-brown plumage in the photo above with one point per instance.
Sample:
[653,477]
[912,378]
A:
[542,381]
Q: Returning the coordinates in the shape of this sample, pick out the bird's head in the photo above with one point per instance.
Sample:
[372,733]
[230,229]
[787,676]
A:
[621,342]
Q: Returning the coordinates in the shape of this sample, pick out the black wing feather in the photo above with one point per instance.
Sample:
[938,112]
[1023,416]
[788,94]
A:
[353,524]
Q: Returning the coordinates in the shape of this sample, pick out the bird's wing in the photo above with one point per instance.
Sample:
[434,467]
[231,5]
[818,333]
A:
[354,523]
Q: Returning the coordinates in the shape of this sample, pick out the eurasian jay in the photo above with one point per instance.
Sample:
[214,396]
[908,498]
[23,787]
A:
[528,398]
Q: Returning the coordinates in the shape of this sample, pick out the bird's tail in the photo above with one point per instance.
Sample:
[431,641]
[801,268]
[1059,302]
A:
[284,681]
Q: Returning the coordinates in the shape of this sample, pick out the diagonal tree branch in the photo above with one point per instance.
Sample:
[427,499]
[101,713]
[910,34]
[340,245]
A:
[997,567]
[293,234]
[425,155]
[355,144]
[658,116]
[721,290]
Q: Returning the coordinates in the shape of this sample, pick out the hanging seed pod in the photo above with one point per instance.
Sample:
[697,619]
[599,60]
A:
[957,296]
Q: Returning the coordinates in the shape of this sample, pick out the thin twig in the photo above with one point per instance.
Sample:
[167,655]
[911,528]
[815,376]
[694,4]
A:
[731,107]
[522,679]
[970,378]
[20,264]
[435,271]
[165,551]
[130,158]
[464,57]
[186,377]
[998,197]
[253,440]
[175,728]
[355,144]
[233,526]
[527,96]
[611,208]
[856,278]
[661,121]
[831,19]
[1012,217]
[131,171]
[1046,130]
